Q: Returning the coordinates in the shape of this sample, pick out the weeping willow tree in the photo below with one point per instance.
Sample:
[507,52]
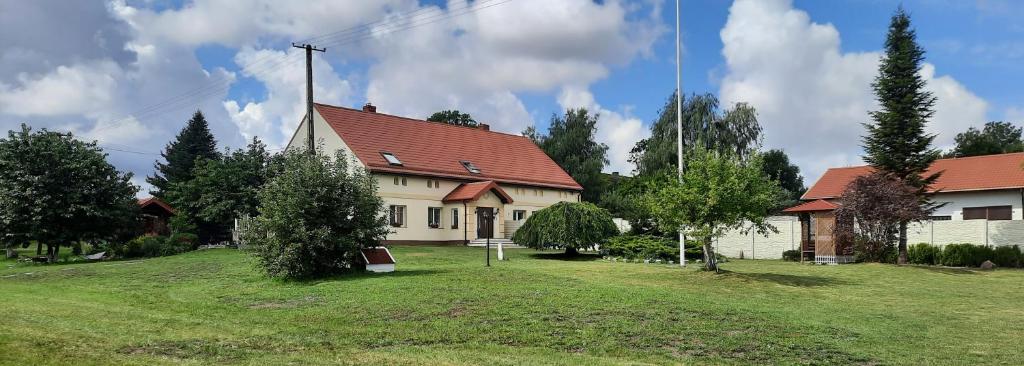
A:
[569,225]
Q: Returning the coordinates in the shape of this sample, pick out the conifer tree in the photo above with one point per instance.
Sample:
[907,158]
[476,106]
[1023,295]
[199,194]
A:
[896,142]
[194,141]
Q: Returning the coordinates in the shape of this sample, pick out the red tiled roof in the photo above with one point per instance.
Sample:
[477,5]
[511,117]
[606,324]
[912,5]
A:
[143,202]
[975,173]
[437,149]
[816,205]
[377,256]
[472,191]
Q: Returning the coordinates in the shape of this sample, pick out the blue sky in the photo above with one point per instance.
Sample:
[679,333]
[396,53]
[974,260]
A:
[805,65]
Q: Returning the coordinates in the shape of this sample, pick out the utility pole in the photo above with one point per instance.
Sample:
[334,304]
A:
[310,142]
[679,128]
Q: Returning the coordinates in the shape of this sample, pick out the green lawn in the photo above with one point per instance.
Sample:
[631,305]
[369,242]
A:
[443,306]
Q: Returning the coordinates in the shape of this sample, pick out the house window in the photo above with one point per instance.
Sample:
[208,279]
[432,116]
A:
[396,215]
[396,181]
[940,218]
[434,217]
[812,228]
[403,181]
[391,158]
[470,167]
[455,218]
[518,215]
[990,213]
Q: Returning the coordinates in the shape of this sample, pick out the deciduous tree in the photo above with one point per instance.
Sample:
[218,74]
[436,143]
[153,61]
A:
[60,191]
[896,142]
[453,117]
[878,203]
[572,226]
[994,138]
[733,131]
[571,143]
[718,192]
[315,216]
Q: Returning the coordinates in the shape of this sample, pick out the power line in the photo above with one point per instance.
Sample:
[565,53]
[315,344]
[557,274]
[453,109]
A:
[270,63]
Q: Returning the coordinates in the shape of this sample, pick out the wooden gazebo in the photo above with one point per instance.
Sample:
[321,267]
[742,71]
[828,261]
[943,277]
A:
[817,242]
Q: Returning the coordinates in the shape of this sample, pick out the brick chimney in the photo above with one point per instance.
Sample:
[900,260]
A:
[484,126]
[369,108]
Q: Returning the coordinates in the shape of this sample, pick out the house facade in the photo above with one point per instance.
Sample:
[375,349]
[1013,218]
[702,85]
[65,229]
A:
[982,201]
[443,184]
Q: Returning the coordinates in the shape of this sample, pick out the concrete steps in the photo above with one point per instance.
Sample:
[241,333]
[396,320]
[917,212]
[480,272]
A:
[505,243]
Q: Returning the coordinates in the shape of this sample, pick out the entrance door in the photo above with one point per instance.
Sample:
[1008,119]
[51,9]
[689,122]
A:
[484,215]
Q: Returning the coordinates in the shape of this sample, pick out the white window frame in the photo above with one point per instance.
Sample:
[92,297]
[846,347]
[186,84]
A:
[397,219]
[434,217]
[455,218]
[518,215]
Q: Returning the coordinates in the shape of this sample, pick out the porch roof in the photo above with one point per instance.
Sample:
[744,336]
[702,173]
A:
[473,191]
[816,205]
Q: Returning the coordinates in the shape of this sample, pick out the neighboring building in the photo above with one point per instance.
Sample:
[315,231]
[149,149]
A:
[983,199]
[439,182]
[156,214]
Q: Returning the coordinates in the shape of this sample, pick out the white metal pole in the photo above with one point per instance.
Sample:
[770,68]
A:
[679,128]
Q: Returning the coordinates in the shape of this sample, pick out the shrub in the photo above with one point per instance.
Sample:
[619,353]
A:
[315,216]
[641,247]
[865,250]
[152,246]
[791,255]
[569,225]
[1008,256]
[924,253]
[966,255]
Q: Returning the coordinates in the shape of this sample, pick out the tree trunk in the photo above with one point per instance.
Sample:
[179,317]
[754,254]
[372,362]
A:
[39,249]
[51,253]
[11,253]
[710,263]
[571,252]
[902,246]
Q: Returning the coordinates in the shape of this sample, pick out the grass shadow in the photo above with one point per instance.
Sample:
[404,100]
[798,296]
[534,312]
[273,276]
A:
[787,279]
[948,270]
[581,257]
[353,276]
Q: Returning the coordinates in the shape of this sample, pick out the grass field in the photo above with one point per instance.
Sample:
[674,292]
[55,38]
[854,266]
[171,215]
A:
[444,307]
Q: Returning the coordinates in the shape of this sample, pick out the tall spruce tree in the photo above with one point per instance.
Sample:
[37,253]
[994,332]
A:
[896,142]
[193,142]
[571,143]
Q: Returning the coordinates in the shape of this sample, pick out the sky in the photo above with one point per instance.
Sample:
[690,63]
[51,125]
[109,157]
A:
[129,74]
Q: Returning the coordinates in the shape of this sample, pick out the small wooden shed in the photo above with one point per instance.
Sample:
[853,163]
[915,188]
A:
[817,242]
[378,260]
[156,215]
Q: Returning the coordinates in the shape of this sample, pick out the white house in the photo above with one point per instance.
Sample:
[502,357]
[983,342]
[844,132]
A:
[440,182]
[983,199]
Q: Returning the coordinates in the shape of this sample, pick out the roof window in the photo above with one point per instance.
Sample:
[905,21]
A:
[470,167]
[391,158]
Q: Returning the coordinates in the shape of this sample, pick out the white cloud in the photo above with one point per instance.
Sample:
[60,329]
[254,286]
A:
[812,97]
[75,89]
[479,61]
[619,130]
[275,118]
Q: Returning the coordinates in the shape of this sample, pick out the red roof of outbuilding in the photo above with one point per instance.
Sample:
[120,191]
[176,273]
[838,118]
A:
[377,256]
[143,202]
[472,191]
[437,149]
[816,205]
[976,173]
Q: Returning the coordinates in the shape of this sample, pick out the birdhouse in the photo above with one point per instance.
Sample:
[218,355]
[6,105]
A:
[378,260]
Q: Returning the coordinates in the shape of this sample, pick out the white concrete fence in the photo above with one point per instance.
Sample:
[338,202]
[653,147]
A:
[735,244]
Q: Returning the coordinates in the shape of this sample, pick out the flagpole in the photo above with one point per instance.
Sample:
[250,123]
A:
[679,127]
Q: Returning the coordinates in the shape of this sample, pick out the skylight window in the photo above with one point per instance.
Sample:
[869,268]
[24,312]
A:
[470,167]
[391,158]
